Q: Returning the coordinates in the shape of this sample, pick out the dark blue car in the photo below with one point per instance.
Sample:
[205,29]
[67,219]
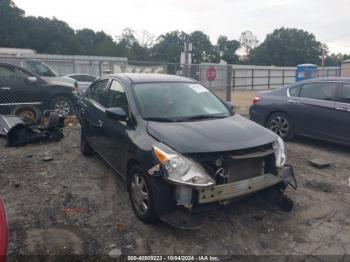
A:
[317,108]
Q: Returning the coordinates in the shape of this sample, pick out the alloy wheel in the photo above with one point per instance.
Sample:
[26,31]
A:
[140,194]
[280,126]
[62,107]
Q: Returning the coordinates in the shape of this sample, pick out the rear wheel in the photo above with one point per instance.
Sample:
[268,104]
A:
[63,105]
[282,125]
[141,196]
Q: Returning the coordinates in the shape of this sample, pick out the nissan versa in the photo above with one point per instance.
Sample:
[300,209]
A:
[178,146]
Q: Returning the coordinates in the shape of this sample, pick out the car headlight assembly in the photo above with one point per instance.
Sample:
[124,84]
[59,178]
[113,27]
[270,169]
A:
[280,152]
[181,170]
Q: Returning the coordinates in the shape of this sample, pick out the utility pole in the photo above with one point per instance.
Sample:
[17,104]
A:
[186,57]
[324,55]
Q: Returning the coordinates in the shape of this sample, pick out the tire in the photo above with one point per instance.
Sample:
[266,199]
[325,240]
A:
[85,147]
[141,196]
[282,125]
[26,111]
[63,105]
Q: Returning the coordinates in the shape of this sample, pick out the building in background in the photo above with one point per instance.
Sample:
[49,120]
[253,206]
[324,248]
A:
[345,68]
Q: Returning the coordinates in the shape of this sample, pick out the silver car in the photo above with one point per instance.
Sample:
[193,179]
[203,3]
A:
[84,81]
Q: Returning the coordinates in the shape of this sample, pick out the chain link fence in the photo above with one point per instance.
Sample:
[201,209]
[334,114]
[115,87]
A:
[220,78]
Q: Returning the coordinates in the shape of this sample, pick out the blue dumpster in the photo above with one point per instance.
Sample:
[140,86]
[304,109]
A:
[306,71]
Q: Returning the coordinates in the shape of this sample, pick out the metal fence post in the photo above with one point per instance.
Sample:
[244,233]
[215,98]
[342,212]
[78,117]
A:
[228,83]
[74,69]
[268,78]
[100,68]
[252,79]
[283,77]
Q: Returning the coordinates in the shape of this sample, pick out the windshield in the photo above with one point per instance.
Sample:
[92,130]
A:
[40,69]
[178,101]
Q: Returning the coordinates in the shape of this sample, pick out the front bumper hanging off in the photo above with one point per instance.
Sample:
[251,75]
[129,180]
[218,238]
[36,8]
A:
[207,197]
[245,187]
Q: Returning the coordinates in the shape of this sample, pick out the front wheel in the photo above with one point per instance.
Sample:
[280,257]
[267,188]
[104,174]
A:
[141,196]
[63,105]
[85,147]
[282,125]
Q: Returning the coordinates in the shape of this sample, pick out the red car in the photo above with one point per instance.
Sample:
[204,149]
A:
[3,232]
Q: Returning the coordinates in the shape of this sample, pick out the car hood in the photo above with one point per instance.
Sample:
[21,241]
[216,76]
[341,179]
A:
[60,80]
[214,135]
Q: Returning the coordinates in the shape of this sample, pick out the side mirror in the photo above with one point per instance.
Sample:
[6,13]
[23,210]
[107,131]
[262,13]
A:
[116,113]
[32,80]
[229,104]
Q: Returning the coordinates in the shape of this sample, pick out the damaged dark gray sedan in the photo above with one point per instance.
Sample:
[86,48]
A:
[178,146]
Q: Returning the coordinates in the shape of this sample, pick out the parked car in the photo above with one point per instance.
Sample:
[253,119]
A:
[41,69]
[27,94]
[3,232]
[84,81]
[178,145]
[317,108]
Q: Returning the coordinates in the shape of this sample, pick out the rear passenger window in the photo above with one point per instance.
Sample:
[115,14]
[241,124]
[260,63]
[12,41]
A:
[97,92]
[294,91]
[12,74]
[345,94]
[319,91]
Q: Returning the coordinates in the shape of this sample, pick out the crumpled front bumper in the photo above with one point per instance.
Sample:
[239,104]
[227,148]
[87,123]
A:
[245,187]
[209,198]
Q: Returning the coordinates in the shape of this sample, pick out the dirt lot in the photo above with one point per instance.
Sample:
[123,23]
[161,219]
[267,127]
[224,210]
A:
[78,205]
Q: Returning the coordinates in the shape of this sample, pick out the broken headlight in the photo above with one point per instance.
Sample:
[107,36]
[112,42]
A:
[280,152]
[181,170]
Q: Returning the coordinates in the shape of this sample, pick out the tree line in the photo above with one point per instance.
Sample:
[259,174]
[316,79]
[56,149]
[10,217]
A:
[282,47]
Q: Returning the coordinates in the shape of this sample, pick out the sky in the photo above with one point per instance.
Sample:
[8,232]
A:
[329,20]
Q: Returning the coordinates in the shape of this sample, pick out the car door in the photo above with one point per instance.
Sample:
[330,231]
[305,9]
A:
[341,124]
[312,108]
[92,113]
[116,132]
[16,89]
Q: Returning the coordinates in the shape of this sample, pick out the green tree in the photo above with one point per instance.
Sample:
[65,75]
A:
[227,49]
[169,47]
[202,50]
[336,59]
[11,18]
[287,47]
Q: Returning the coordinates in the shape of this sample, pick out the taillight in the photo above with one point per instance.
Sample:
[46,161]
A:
[256,99]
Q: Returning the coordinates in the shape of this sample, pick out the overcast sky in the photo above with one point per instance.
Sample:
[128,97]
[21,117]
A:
[329,20]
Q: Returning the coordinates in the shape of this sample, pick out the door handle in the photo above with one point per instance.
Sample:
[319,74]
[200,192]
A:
[100,123]
[343,109]
[6,88]
[293,102]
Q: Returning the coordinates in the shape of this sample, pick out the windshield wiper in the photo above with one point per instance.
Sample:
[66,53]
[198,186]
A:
[199,117]
[159,119]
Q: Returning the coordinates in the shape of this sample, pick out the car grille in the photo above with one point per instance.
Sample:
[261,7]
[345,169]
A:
[229,167]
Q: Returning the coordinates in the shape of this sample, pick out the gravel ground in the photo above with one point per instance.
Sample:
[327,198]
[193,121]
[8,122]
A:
[77,205]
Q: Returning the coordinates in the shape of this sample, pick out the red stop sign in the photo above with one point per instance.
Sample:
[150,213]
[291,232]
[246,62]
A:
[211,73]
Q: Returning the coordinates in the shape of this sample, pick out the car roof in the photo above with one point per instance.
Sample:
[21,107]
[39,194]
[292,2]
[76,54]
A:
[152,78]
[327,79]
[77,74]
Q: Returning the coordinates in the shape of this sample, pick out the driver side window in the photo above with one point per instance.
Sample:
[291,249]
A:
[117,96]
[97,92]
